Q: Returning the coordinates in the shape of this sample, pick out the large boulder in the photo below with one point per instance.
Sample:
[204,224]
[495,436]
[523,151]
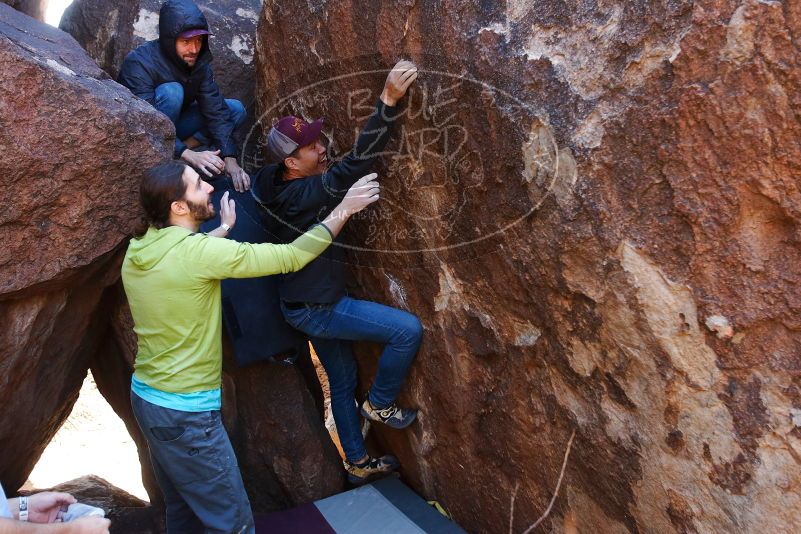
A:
[109,29]
[76,144]
[33,8]
[594,208]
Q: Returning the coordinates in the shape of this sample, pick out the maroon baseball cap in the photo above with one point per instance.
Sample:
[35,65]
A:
[188,34]
[290,133]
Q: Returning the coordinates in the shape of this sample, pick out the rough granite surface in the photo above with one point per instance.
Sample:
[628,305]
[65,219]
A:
[594,208]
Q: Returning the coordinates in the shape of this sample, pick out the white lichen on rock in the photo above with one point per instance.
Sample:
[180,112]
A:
[720,325]
[55,65]
[247,14]
[240,46]
[397,292]
[146,25]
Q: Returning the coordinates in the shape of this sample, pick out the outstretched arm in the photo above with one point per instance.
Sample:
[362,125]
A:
[218,259]
[374,136]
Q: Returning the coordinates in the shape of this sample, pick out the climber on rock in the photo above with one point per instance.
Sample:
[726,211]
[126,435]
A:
[173,73]
[295,192]
[171,275]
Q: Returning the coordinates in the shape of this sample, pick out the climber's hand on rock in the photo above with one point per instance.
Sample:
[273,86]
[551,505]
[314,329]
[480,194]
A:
[361,194]
[402,75]
[208,162]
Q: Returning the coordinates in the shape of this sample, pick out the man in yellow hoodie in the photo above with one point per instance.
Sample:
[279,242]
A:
[171,276]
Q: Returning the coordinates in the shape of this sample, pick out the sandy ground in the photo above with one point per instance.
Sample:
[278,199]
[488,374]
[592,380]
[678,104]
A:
[93,441]
[330,425]
[329,417]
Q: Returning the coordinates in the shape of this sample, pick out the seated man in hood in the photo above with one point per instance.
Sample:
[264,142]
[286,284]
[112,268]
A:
[173,73]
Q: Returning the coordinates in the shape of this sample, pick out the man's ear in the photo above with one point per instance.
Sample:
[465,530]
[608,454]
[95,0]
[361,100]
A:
[291,163]
[179,207]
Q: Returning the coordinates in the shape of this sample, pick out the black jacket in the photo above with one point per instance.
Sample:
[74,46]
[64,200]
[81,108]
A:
[156,62]
[289,208]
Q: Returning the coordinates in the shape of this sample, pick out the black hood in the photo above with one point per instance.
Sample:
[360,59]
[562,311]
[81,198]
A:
[268,188]
[176,17]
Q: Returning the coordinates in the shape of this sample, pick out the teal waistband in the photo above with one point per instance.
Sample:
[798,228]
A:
[199,401]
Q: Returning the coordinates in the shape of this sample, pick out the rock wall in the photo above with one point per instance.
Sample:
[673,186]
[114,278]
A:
[76,143]
[33,8]
[108,30]
[594,208]
[284,451]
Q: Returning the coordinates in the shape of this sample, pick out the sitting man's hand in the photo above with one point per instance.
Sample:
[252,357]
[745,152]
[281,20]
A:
[237,174]
[90,525]
[208,162]
[402,75]
[46,507]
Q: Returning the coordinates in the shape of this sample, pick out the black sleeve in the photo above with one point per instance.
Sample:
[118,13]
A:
[135,77]
[372,140]
[218,118]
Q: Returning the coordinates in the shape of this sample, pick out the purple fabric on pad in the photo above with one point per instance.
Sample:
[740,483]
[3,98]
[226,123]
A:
[305,519]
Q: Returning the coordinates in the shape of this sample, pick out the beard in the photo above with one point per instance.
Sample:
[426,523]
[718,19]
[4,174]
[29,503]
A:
[201,212]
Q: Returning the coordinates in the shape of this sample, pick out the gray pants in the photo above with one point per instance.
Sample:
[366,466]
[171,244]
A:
[196,469]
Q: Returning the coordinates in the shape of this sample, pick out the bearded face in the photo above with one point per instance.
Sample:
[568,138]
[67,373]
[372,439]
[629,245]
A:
[201,211]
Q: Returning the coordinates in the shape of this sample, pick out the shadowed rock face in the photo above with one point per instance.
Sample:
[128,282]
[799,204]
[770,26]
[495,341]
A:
[33,8]
[594,209]
[109,29]
[76,144]
[285,454]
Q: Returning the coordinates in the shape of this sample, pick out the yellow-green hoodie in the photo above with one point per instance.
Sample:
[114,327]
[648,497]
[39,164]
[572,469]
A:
[172,279]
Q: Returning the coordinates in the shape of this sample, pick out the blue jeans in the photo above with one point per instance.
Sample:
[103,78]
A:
[189,122]
[331,329]
[196,469]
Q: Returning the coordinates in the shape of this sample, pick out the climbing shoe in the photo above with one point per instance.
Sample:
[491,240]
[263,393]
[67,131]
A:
[391,416]
[371,469]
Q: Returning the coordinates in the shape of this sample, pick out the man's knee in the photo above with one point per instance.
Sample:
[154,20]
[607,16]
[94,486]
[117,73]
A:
[237,111]
[411,331]
[170,99]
